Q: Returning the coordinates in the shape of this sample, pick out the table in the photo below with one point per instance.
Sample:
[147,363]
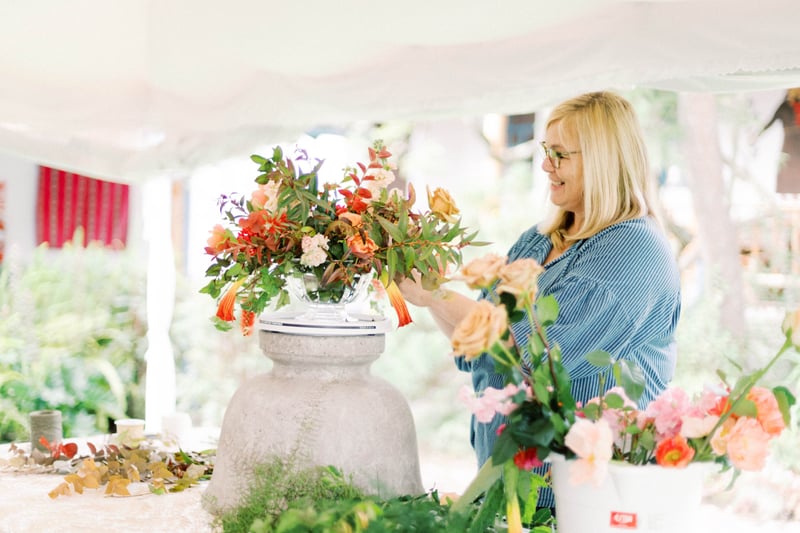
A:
[25,506]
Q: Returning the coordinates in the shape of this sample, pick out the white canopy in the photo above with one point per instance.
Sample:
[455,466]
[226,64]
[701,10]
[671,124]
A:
[126,89]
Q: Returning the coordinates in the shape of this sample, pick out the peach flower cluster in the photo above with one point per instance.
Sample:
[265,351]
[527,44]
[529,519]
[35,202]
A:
[683,430]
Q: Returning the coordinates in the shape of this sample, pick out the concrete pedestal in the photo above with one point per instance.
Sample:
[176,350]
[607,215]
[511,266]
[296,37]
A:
[320,403]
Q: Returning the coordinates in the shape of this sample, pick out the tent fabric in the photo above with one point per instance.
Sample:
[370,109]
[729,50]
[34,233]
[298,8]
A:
[141,88]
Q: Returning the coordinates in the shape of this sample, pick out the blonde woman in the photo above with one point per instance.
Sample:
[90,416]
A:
[604,254]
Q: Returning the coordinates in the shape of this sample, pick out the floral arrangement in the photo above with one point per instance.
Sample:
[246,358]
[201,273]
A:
[340,232]
[730,424]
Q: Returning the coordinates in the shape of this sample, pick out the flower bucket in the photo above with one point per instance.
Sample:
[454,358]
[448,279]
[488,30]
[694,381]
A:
[644,499]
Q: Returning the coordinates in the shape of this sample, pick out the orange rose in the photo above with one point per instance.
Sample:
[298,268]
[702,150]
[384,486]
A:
[361,248]
[519,278]
[674,452]
[442,204]
[481,273]
[479,330]
[769,414]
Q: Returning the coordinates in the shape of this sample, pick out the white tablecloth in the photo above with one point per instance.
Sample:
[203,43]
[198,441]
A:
[25,507]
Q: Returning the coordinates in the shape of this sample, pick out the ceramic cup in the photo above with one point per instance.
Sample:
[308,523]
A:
[130,432]
[176,428]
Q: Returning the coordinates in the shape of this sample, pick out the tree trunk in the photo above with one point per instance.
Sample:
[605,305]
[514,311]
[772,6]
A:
[717,234]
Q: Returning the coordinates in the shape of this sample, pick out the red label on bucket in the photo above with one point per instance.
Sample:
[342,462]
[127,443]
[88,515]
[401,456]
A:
[623,520]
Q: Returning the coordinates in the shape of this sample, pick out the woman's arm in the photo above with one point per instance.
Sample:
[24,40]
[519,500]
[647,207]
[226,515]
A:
[447,307]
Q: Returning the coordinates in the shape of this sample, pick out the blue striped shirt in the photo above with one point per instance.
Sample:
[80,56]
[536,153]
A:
[617,291]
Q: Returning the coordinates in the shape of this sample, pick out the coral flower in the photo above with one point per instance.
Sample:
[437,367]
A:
[769,414]
[227,303]
[399,304]
[674,452]
[217,241]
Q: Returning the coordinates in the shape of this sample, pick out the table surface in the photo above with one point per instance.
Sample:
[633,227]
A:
[26,507]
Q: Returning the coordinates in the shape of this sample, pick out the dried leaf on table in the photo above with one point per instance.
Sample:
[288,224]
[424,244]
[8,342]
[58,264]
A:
[118,486]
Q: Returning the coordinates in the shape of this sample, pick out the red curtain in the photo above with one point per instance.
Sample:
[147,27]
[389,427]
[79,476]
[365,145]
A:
[67,201]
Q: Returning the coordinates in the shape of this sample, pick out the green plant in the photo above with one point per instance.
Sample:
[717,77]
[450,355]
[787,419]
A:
[279,483]
[72,338]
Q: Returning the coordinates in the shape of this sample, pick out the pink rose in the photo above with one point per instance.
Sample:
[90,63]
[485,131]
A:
[667,410]
[479,330]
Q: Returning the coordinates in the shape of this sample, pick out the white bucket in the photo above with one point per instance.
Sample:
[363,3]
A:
[641,499]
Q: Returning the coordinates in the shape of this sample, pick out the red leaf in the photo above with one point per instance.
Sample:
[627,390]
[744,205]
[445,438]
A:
[70,449]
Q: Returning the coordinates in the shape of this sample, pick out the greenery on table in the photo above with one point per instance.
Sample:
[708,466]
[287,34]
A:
[72,338]
[285,497]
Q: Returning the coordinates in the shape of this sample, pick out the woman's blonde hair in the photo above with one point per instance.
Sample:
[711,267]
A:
[616,176]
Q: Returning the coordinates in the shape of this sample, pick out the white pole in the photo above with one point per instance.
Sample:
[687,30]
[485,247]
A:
[160,376]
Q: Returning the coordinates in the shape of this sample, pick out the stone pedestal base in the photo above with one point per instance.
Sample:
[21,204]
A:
[320,404]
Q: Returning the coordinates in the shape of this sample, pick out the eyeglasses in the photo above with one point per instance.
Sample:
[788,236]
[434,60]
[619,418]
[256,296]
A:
[554,156]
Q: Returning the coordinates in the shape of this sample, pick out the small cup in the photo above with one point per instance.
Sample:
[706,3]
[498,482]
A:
[176,428]
[45,424]
[130,432]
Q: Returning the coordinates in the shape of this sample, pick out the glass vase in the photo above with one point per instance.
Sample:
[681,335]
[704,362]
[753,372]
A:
[326,303]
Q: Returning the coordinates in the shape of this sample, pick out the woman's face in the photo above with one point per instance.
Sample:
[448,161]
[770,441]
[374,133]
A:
[566,181]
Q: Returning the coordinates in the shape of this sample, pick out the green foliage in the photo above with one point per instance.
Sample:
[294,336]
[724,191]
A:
[72,333]
[287,498]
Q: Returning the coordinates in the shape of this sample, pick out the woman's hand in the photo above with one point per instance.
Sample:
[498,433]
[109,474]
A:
[447,307]
[412,290]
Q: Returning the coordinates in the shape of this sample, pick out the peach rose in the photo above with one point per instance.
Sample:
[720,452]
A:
[442,204]
[481,273]
[353,218]
[519,278]
[479,330]
[360,247]
[769,414]
[748,444]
